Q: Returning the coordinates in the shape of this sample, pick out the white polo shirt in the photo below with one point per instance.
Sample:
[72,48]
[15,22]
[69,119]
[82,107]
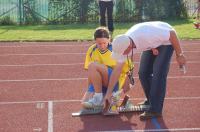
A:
[150,35]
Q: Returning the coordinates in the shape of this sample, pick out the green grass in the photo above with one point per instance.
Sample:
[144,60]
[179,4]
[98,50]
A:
[184,29]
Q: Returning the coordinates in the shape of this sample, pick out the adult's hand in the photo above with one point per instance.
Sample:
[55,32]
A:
[181,59]
[107,97]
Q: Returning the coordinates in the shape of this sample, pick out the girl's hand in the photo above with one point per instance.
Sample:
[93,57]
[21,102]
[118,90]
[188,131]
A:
[107,97]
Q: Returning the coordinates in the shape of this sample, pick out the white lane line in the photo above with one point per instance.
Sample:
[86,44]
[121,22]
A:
[34,80]
[39,101]
[60,44]
[78,79]
[77,100]
[156,130]
[20,45]
[32,65]
[182,98]
[45,54]
[50,116]
[74,64]
[78,53]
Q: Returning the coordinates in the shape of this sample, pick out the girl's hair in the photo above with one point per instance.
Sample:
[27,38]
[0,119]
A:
[101,32]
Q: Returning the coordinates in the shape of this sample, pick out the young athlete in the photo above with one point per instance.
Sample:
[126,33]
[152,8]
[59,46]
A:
[99,65]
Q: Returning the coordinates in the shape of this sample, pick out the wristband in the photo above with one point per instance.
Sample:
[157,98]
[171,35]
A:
[179,55]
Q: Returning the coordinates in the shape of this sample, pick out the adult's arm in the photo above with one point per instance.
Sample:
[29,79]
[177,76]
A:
[176,45]
[114,78]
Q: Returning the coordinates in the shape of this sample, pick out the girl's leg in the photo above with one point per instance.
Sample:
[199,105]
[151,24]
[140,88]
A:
[97,77]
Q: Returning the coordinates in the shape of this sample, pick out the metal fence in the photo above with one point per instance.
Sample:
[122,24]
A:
[70,11]
[45,11]
[9,9]
[192,7]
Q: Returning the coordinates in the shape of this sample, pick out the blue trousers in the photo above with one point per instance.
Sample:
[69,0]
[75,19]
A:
[153,73]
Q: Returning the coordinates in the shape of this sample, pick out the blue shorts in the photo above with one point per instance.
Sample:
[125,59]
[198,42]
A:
[104,89]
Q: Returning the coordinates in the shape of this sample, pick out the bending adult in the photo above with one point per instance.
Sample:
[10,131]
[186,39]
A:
[153,68]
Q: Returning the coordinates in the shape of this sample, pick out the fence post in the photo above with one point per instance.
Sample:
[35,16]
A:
[198,10]
[20,12]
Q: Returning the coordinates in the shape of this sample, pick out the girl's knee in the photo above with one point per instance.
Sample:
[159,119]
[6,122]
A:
[92,66]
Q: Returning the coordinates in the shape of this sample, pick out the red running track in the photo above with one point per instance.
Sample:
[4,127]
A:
[41,84]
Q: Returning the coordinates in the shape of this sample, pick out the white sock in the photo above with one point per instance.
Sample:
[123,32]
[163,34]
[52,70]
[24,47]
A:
[99,97]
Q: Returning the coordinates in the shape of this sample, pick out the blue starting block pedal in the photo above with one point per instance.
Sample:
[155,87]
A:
[125,107]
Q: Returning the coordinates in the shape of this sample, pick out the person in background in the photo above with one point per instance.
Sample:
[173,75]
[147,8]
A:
[197,23]
[106,9]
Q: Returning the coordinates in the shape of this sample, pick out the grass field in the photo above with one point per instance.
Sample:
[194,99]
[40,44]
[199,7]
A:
[184,29]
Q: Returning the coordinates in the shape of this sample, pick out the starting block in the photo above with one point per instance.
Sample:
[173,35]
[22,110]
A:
[125,107]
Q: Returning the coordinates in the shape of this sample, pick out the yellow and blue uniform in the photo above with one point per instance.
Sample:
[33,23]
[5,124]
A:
[104,57]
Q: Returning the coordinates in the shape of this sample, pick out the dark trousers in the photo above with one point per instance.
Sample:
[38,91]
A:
[106,7]
[153,76]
